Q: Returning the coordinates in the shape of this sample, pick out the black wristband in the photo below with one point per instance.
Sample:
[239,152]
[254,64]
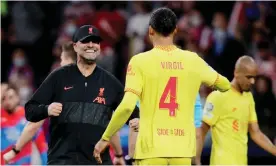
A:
[15,150]
[118,155]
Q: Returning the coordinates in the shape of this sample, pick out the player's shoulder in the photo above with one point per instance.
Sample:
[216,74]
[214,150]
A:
[142,56]
[216,95]
[139,60]
[188,54]
[249,95]
[191,57]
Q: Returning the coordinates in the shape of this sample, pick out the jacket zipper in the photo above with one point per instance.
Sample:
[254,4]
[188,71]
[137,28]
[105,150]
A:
[85,86]
[82,111]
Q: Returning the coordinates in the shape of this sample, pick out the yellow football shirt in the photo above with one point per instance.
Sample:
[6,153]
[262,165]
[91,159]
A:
[229,114]
[167,81]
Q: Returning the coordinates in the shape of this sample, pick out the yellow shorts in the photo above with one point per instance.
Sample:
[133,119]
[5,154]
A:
[164,161]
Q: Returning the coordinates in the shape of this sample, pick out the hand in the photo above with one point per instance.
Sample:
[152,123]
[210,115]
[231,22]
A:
[99,148]
[119,161]
[134,124]
[9,156]
[196,161]
[54,109]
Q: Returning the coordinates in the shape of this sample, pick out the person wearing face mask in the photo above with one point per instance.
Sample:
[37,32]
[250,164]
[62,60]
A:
[25,89]
[225,50]
[219,33]
[20,65]
[70,29]
[79,100]
[200,32]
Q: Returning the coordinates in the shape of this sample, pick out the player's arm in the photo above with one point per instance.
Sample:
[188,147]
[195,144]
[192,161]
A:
[36,109]
[200,142]
[256,134]
[115,142]
[261,139]
[198,123]
[26,136]
[133,90]
[133,133]
[211,115]
[41,145]
[212,78]
[121,115]
[132,138]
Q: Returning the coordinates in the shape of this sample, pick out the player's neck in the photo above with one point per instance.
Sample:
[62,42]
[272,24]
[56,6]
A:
[163,42]
[86,69]
[235,85]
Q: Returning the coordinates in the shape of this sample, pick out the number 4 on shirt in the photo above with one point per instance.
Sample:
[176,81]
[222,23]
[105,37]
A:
[170,90]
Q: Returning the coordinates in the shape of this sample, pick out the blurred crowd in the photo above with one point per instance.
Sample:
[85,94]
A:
[220,32]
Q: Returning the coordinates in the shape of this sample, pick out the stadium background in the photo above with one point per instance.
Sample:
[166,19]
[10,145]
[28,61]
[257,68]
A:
[219,32]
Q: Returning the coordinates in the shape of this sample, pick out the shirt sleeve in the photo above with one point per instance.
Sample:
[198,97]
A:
[134,79]
[36,108]
[211,111]
[211,77]
[252,111]
[119,98]
[198,112]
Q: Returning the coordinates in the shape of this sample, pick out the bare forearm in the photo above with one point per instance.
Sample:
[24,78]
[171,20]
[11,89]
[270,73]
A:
[132,142]
[28,133]
[264,142]
[200,141]
[115,142]
[121,115]
[199,145]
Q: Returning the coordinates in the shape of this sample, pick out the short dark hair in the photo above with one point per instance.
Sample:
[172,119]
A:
[10,87]
[69,48]
[163,21]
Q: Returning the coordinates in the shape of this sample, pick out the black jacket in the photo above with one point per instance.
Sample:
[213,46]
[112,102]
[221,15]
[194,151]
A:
[88,104]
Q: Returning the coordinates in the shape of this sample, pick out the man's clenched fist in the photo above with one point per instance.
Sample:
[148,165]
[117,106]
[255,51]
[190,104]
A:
[54,109]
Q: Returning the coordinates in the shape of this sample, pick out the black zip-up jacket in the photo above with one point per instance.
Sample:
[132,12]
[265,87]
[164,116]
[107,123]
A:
[87,107]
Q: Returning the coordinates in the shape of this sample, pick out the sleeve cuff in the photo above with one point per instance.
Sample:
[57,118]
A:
[133,91]
[45,112]
[105,138]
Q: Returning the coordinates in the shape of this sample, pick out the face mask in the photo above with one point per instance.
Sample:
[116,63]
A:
[24,92]
[19,62]
[196,21]
[219,34]
[70,29]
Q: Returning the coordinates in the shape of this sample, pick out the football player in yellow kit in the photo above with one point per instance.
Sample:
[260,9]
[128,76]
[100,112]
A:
[166,81]
[231,115]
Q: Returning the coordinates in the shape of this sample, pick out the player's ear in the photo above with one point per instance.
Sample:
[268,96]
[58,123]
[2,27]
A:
[75,47]
[236,74]
[175,31]
[151,31]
